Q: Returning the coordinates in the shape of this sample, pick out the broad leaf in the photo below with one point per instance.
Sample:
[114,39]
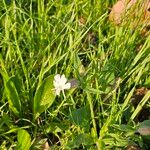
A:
[84,139]
[145,123]
[144,129]
[24,140]
[18,83]
[80,117]
[44,96]
[13,98]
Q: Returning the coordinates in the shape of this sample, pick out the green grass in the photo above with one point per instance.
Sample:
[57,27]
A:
[39,39]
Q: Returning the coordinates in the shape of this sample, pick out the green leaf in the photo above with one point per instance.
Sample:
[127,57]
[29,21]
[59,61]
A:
[77,140]
[17,82]
[80,117]
[144,129]
[141,104]
[55,127]
[145,123]
[101,145]
[24,140]
[44,96]
[6,122]
[13,98]
[79,68]
[147,82]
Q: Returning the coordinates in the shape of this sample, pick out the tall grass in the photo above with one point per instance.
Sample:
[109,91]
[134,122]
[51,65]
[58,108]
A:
[43,38]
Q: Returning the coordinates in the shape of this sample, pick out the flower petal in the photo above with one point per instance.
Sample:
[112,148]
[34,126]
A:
[57,80]
[67,86]
[60,83]
[57,91]
[56,84]
[57,77]
[63,79]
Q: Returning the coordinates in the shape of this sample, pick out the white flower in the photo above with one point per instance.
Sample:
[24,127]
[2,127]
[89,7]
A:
[60,84]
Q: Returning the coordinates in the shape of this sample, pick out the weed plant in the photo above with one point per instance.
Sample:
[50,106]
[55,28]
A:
[41,38]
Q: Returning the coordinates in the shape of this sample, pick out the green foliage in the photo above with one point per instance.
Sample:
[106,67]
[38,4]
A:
[13,97]
[44,96]
[24,140]
[77,140]
[80,117]
[110,65]
[144,129]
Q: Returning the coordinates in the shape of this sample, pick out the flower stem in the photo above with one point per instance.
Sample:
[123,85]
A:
[64,94]
[93,120]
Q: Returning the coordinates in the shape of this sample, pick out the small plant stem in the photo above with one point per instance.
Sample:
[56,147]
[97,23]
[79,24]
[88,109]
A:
[91,109]
[140,105]
[93,120]
[56,111]
[64,94]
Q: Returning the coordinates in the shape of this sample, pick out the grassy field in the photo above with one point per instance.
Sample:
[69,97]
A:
[108,66]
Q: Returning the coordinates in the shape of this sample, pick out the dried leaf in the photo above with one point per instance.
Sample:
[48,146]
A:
[121,9]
